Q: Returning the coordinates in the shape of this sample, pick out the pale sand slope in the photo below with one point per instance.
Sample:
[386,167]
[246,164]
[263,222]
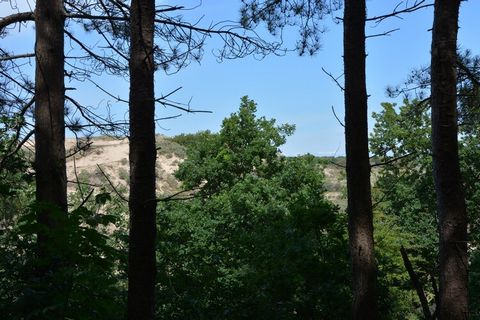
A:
[112,157]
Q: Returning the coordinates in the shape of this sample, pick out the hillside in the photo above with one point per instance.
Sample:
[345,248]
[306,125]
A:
[105,161]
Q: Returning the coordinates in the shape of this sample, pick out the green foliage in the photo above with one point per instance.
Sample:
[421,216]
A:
[406,185]
[170,146]
[15,176]
[406,195]
[259,240]
[124,175]
[188,140]
[397,300]
[244,145]
[83,283]
[79,276]
[337,161]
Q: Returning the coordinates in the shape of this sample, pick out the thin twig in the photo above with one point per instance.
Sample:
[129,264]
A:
[386,33]
[416,6]
[468,72]
[78,180]
[20,144]
[118,99]
[172,196]
[86,198]
[85,183]
[392,160]
[79,149]
[111,184]
[336,117]
[334,79]
[18,56]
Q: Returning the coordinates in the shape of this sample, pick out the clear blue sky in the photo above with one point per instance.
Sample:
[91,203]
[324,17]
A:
[291,89]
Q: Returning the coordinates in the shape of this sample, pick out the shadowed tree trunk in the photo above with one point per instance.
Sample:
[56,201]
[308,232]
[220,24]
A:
[360,224]
[446,169]
[142,204]
[50,167]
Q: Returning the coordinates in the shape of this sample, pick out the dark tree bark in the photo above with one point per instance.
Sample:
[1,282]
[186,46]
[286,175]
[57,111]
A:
[142,202]
[50,167]
[451,207]
[360,220]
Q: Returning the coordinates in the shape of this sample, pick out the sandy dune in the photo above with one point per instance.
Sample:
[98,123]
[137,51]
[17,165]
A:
[112,157]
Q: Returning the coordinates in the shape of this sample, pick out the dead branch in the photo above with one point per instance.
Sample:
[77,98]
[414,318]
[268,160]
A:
[396,13]
[18,56]
[336,117]
[117,98]
[79,149]
[86,198]
[173,196]
[16,18]
[386,33]
[78,180]
[416,284]
[392,160]
[335,79]
[111,184]
[17,148]
[470,75]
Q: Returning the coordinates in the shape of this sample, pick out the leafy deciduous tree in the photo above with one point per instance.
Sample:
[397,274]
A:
[259,240]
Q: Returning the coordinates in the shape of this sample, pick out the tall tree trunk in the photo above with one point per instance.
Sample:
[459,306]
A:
[50,167]
[142,204]
[446,169]
[360,220]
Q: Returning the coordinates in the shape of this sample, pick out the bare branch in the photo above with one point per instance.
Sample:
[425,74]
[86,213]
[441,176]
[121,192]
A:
[180,106]
[104,124]
[472,77]
[21,85]
[84,183]
[416,284]
[386,33]
[172,196]
[85,16]
[17,148]
[172,8]
[79,149]
[16,18]
[336,117]
[392,160]
[78,181]
[117,98]
[111,184]
[337,164]
[109,63]
[86,198]
[164,97]
[18,56]
[335,79]
[395,13]
[222,31]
